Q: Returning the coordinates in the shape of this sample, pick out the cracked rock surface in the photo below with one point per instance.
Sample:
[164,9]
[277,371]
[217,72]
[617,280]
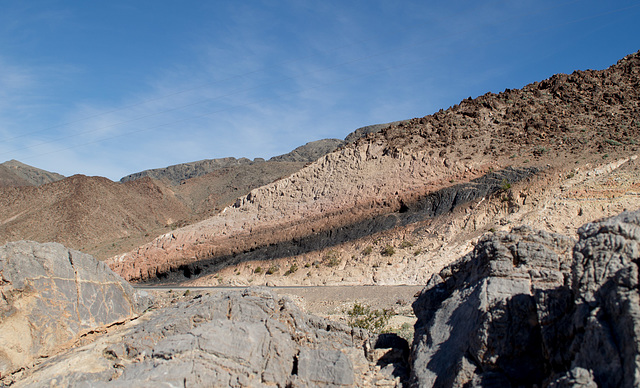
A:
[238,339]
[531,308]
[49,295]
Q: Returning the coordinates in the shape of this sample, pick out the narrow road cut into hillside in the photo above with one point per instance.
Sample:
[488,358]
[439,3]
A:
[321,299]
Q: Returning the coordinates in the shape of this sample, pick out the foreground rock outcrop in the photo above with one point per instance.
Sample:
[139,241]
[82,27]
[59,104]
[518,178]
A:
[236,339]
[50,295]
[523,310]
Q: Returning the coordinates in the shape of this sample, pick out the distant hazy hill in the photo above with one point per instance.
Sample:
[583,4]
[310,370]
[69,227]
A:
[14,173]
[179,172]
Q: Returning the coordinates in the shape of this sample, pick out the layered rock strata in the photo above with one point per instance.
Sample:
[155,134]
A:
[525,308]
[50,295]
[343,188]
[554,122]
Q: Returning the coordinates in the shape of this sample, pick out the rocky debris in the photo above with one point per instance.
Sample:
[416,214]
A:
[521,310]
[50,295]
[235,339]
[310,152]
[14,173]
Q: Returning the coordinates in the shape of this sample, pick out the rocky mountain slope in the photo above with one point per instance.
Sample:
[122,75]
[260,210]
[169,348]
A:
[89,213]
[115,218]
[438,181]
[14,173]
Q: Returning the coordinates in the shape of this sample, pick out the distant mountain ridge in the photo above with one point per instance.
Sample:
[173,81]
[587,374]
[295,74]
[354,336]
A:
[15,173]
[310,152]
[177,173]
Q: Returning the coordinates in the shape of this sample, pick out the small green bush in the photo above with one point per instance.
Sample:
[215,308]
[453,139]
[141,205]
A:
[406,244]
[258,270]
[367,251]
[331,259]
[505,184]
[291,270]
[273,269]
[364,317]
[405,331]
[387,251]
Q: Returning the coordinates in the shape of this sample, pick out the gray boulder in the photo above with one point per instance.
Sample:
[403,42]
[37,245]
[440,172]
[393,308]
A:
[50,295]
[525,309]
[252,338]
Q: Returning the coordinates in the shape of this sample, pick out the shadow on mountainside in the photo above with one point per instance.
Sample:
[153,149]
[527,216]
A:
[426,207]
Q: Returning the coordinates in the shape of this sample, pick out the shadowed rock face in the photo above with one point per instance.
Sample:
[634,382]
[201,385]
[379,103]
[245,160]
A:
[50,295]
[521,310]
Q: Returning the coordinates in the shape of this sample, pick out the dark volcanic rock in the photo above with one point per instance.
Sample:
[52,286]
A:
[50,295]
[237,339]
[520,311]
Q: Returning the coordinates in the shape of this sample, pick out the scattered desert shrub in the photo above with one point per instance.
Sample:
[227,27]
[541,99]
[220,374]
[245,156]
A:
[258,270]
[364,317]
[505,185]
[405,331]
[291,270]
[406,244]
[331,259]
[273,269]
[388,250]
[367,251]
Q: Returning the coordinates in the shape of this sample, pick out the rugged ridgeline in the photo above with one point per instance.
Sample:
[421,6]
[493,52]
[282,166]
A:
[383,180]
[14,173]
[102,218]
[524,308]
[180,173]
[307,153]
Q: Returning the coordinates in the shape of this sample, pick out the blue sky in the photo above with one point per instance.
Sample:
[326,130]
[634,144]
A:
[115,87]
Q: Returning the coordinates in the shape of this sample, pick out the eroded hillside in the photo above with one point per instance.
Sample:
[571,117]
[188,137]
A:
[523,146]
